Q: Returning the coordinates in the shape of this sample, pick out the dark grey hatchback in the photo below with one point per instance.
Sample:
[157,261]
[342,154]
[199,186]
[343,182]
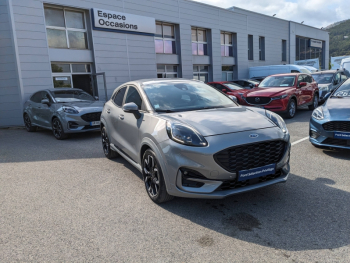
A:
[62,110]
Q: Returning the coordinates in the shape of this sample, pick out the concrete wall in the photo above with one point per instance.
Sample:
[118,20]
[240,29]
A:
[10,93]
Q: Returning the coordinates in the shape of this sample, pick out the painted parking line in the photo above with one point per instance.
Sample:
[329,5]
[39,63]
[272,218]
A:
[301,140]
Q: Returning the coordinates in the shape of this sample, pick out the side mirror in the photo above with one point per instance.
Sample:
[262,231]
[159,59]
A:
[256,85]
[302,84]
[224,90]
[96,98]
[131,107]
[45,101]
[233,98]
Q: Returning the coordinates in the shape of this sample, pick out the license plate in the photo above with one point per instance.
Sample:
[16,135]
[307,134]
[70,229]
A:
[256,172]
[342,135]
[95,123]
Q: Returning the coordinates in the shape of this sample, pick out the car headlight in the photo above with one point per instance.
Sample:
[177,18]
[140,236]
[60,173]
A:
[184,134]
[70,110]
[280,97]
[277,120]
[318,114]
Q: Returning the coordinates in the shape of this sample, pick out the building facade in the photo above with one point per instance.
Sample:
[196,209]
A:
[98,45]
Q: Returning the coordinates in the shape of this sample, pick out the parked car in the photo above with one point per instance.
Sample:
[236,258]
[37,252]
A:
[62,110]
[328,81]
[283,93]
[276,69]
[330,123]
[189,140]
[259,79]
[345,65]
[229,88]
[246,83]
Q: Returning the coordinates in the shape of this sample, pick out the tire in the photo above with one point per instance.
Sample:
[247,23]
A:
[57,129]
[315,102]
[291,109]
[154,179]
[28,123]
[108,152]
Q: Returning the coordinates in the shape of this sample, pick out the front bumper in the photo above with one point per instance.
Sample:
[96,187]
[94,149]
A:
[325,138]
[178,157]
[73,123]
[279,105]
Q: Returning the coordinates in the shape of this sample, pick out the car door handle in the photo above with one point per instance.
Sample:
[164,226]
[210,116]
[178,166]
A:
[121,116]
[108,111]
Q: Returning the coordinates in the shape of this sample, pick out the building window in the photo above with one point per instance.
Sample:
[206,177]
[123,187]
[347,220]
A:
[304,51]
[66,28]
[68,75]
[284,50]
[199,42]
[250,48]
[165,38]
[226,45]
[201,72]
[167,71]
[227,73]
[261,48]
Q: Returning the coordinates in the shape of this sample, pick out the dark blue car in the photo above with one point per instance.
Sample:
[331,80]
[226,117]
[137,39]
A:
[330,123]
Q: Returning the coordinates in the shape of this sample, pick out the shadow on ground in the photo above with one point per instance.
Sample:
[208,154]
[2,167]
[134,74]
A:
[299,215]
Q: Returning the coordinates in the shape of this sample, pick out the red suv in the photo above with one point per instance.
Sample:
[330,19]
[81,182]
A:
[229,88]
[283,93]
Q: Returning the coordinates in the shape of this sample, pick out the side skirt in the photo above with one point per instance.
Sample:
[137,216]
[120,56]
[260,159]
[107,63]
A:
[136,165]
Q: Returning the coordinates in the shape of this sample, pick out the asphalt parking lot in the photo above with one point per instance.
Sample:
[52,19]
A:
[63,201]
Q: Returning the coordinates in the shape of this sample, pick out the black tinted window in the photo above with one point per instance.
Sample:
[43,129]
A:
[118,99]
[36,97]
[133,96]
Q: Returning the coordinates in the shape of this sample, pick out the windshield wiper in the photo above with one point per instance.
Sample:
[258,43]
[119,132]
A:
[339,97]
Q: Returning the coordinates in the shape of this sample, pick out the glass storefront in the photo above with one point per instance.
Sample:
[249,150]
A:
[304,51]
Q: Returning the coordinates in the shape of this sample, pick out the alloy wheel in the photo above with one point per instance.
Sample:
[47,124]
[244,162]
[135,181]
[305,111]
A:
[27,122]
[105,141]
[151,176]
[315,101]
[292,108]
[57,128]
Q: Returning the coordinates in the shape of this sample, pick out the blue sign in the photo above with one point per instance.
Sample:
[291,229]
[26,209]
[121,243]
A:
[256,172]
[342,135]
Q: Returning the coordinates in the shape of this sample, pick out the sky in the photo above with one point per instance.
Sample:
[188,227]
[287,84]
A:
[317,13]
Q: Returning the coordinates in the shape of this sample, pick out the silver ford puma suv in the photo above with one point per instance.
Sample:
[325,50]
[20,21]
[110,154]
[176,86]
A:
[190,140]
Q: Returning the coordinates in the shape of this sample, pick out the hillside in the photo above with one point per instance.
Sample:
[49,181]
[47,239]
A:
[338,46]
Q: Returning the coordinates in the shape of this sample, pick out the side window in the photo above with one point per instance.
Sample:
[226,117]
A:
[36,97]
[45,95]
[300,79]
[308,79]
[294,71]
[118,98]
[337,78]
[134,96]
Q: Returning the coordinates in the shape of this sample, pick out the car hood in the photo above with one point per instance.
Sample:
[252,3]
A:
[86,105]
[338,108]
[223,120]
[267,92]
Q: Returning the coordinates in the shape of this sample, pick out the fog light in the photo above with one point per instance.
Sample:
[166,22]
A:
[187,175]
[314,134]
[72,125]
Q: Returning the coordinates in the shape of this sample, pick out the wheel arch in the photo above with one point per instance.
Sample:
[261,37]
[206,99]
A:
[148,143]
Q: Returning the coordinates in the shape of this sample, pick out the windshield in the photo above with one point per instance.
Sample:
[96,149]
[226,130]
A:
[71,95]
[182,96]
[323,78]
[233,86]
[343,91]
[253,81]
[278,81]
